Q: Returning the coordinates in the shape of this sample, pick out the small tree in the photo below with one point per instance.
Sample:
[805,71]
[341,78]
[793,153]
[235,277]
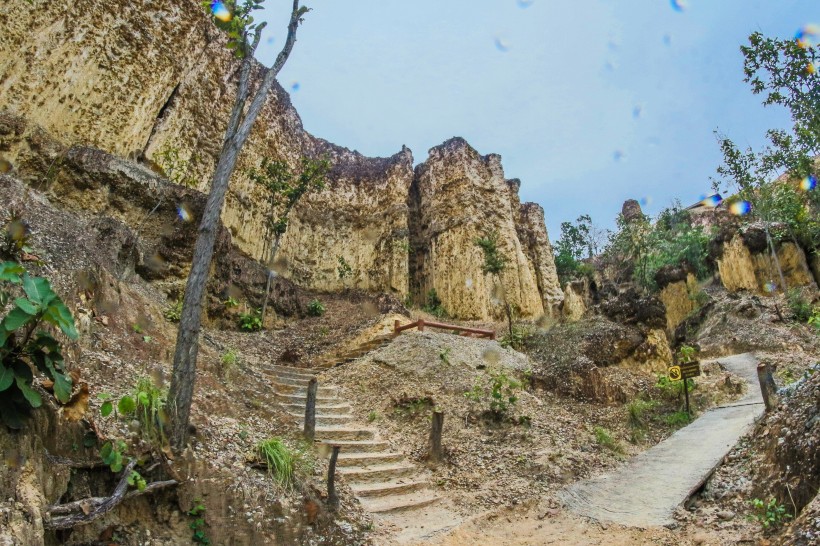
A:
[244,36]
[494,264]
[284,189]
[785,71]
[576,243]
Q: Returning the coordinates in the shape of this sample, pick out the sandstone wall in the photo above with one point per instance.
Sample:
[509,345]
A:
[742,269]
[145,77]
[459,196]
[679,300]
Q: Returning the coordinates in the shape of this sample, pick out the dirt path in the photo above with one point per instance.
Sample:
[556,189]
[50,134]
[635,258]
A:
[647,489]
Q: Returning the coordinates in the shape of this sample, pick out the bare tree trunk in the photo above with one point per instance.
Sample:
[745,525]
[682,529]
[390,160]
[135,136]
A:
[775,259]
[273,251]
[436,429]
[187,347]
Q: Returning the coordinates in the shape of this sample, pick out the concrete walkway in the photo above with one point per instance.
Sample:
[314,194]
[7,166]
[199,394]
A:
[648,488]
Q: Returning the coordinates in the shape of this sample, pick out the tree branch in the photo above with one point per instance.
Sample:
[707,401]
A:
[244,83]
[87,510]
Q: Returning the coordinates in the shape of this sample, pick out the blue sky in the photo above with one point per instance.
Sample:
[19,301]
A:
[589,103]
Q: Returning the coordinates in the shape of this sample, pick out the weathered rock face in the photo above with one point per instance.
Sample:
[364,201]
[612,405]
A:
[679,293]
[743,267]
[146,80]
[457,197]
[574,306]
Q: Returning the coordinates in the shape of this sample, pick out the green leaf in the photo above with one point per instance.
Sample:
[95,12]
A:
[106,408]
[106,452]
[59,315]
[11,271]
[62,387]
[143,399]
[6,377]
[31,395]
[126,405]
[15,319]
[27,306]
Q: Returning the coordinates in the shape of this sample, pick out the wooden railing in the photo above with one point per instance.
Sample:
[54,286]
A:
[421,323]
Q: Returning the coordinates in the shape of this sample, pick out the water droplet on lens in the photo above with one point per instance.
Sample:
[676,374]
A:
[680,5]
[501,44]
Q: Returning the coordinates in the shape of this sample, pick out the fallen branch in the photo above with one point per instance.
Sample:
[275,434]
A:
[87,510]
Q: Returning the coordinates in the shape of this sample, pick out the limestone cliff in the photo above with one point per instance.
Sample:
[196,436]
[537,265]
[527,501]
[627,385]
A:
[140,79]
[745,266]
[457,197]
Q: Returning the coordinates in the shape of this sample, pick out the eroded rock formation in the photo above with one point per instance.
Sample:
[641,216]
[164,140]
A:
[745,265]
[144,79]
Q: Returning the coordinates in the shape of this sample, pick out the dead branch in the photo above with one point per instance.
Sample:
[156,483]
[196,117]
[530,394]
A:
[86,510]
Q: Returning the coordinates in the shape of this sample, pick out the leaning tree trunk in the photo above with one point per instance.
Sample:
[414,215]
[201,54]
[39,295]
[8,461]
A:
[187,347]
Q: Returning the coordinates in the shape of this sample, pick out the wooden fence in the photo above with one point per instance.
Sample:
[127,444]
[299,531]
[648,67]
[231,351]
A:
[421,324]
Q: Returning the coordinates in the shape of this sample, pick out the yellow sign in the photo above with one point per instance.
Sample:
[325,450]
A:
[674,373]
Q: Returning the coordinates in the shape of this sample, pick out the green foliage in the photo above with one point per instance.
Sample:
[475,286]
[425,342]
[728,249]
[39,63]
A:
[145,404]
[605,439]
[799,305]
[315,308]
[230,303]
[433,304]
[250,321]
[229,358]
[174,166]
[778,69]
[678,419]
[576,243]
[686,353]
[373,416]
[673,390]
[638,249]
[238,23]
[637,410]
[135,479]
[814,319]
[515,340]
[24,347]
[411,407]
[494,260]
[444,355]
[16,237]
[285,463]
[343,271]
[770,515]
[198,524]
[285,187]
[173,313]
[112,453]
[498,390]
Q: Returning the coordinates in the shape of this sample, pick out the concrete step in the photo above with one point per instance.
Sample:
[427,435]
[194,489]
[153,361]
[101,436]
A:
[290,370]
[294,381]
[293,389]
[400,503]
[325,419]
[384,489]
[357,447]
[367,459]
[344,433]
[377,473]
[290,398]
[289,375]
[336,409]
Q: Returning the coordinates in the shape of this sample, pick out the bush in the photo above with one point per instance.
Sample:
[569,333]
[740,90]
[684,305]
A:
[228,360]
[678,419]
[173,313]
[283,462]
[799,305]
[769,514]
[673,390]
[499,393]
[605,439]
[25,347]
[315,308]
[433,304]
[637,410]
[251,321]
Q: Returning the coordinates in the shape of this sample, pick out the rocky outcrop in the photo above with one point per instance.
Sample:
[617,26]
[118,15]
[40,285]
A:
[149,80]
[746,264]
[574,305]
[459,196]
[679,293]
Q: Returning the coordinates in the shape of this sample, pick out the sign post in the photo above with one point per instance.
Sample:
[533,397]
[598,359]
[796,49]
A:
[683,372]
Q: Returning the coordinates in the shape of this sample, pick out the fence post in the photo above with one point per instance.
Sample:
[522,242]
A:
[421,325]
[767,387]
[435,436]
[396,325]
[310,410]
[332,498]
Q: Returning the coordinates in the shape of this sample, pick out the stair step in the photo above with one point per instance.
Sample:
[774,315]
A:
[367,459]
[293,389]
[289,375]
[377,473]
[400,503]
[344,433]
[290,369]
[296,382]
[290,398]
[383,489]
[357,446]
[337,409]
[325,419]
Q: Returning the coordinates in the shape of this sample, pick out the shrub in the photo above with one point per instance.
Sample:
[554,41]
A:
[673,390]
[678,419]
[605,439]
[198,525]
[251,321]
[769,514]
[637,410]
[25,348]
[283,462]
[315,308]
[229,360]
[799,305]
[173,313]
[433,304]
[499,393]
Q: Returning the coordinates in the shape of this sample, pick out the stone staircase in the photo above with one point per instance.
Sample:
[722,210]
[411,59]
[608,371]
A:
[331,361]
[383,480]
